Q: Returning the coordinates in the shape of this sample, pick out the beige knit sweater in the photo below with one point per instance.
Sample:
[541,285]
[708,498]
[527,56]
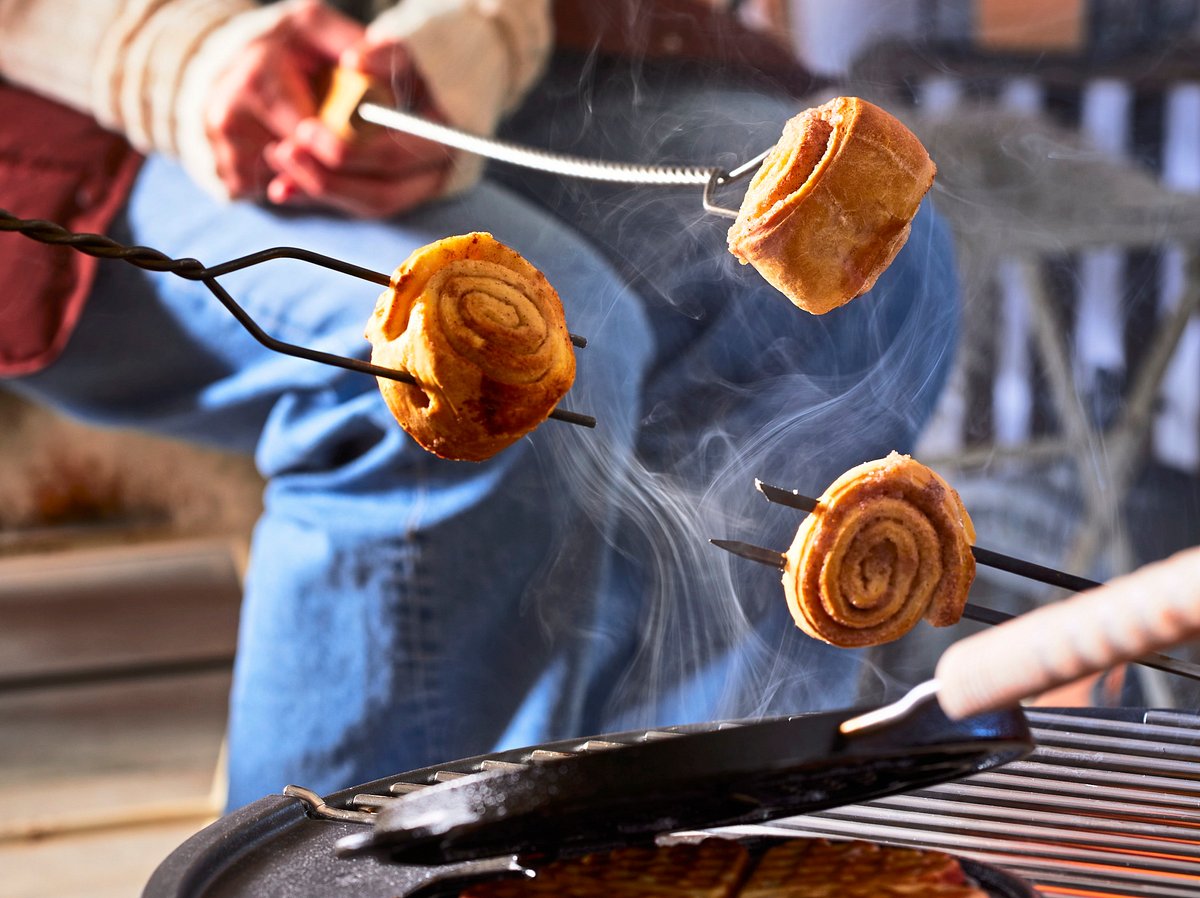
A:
[146,67]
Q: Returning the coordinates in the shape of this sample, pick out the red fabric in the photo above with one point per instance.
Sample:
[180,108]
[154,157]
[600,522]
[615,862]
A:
[55,164]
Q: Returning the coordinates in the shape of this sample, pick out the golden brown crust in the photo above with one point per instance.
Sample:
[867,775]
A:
[889,543]
[483,333]
[818,868]
[712,868]
[832,203]
[723,868]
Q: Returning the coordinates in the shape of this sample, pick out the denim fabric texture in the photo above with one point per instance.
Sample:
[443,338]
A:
[402,610]
[741,385]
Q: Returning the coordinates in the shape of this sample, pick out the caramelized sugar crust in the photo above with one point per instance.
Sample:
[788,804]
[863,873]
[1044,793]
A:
[483,333]
[889,544]
[833,203]
[724,868]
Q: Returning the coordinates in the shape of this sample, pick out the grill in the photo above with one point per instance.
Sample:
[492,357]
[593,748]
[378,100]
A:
[1106,806]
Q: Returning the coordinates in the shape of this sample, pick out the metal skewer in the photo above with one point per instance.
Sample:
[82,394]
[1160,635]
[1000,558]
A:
[990,616]
[777,560]
[152,260]
[1017,566]
[354,98]
[711,178]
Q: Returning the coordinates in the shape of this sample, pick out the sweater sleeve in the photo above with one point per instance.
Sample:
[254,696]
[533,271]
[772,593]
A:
[477,58]
[142,68]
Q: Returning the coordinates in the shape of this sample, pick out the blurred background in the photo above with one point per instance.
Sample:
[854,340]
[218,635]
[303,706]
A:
[1067,135]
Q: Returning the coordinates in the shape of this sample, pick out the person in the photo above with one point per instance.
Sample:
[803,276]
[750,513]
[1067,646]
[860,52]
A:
[401,610]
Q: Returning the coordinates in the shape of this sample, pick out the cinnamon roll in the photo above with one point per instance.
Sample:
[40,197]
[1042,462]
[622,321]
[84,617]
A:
[482,331]
[889,544]
[832,203]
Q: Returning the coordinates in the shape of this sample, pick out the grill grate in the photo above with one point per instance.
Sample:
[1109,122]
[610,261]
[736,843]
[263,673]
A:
[1104,807]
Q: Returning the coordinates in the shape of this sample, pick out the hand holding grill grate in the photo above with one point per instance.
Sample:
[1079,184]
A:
[191,269]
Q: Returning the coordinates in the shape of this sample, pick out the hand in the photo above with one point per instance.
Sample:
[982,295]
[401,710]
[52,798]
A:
[265,96]
[374,172]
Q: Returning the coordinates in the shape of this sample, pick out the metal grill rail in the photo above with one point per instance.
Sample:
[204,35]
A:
[1102,808]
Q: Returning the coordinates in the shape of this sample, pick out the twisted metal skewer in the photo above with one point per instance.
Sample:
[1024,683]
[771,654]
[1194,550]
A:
[710,177]
[191,269]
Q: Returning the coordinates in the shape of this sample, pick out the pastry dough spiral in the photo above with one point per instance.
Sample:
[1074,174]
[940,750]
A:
[483,333]
[832,203]
[889,543]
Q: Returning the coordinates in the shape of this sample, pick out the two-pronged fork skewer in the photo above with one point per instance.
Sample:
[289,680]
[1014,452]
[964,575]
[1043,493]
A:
[192,270]
[793,499]
[1017,566]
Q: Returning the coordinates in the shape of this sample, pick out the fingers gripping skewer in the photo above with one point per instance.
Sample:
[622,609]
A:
[777,560]
[152,260]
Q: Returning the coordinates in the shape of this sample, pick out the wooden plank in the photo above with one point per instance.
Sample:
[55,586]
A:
[118,606]
[113,863]
[80,756]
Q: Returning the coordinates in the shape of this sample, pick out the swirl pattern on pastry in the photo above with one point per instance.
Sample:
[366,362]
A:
[833,203]
[889,544]
[483,333]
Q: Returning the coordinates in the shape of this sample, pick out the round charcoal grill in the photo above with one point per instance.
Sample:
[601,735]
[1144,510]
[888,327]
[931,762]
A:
[429,831]
[1106,805]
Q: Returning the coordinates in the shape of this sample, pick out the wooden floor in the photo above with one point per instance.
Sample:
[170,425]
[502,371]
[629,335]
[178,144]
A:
[111,863]
[114,679]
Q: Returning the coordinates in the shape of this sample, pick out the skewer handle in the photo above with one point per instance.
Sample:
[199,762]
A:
[1155,607]
[347,89]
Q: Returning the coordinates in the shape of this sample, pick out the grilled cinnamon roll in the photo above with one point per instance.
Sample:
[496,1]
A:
[889,544]
[832,203]
[482,331]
